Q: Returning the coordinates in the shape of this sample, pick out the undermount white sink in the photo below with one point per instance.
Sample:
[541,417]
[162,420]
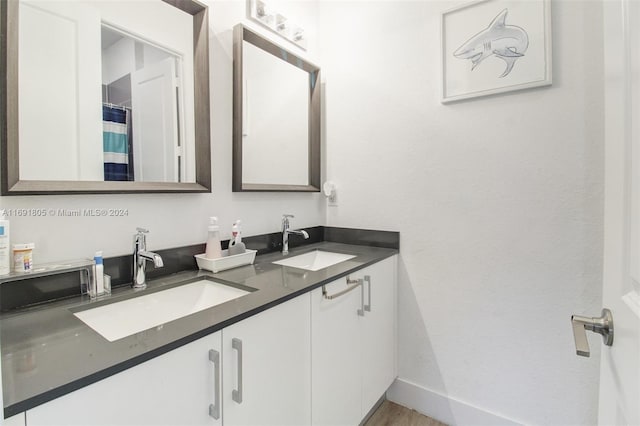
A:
[314,260]
[122,319]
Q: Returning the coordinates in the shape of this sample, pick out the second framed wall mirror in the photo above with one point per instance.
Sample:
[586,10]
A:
[276,117]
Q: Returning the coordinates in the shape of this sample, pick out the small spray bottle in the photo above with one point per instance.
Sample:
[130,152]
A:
[236,246]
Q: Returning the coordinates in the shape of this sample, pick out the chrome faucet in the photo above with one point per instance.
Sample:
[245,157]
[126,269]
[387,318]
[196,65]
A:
[286,231]
[140,257]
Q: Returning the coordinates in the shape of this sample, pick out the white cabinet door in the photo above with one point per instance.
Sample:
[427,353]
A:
[336,383]
[267,367]
[176,388]
[354,355]
[17,420]
[378,332]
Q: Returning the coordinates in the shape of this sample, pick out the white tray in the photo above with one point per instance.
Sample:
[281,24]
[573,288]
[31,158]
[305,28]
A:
[226,261]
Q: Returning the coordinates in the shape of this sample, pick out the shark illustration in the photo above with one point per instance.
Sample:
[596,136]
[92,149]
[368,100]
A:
[507,42]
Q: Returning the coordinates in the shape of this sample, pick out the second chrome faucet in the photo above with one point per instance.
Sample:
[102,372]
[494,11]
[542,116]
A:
[286,231]
[140,258]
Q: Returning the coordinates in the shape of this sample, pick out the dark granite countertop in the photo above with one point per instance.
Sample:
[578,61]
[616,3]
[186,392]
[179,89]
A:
[48,352]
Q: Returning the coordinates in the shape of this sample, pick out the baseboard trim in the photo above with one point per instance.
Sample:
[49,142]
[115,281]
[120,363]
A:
[442,408]
[373,409]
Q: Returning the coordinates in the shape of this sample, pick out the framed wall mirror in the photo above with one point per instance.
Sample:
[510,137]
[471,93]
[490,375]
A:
[276,117]
[104,96]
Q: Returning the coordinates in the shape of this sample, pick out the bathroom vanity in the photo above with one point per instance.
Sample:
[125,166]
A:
[256,359]
[307,342]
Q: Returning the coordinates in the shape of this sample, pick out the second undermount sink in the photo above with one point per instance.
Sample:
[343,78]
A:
[121,319]
[314,260]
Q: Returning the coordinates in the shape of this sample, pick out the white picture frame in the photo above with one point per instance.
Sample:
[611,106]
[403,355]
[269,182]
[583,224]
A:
[495,46]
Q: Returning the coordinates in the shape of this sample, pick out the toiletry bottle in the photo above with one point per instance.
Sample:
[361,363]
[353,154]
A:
[99,275]
[5,250]
[23,257]
[236,246]
[213,250]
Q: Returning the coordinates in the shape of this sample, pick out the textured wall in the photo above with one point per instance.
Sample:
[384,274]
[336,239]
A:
[498,201]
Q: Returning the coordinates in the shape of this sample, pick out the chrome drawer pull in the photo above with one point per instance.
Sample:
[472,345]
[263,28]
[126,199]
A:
[236,394]
[367,307]
[362,308]
[214,409]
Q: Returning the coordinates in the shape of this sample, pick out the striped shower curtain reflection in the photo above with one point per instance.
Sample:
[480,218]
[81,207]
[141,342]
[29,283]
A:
[115,143]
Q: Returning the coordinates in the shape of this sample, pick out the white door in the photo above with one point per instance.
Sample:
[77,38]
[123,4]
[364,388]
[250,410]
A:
[378,353]
[336,344]
[177,388]
[620,365]
[59,89]
[267,367]
[155,122]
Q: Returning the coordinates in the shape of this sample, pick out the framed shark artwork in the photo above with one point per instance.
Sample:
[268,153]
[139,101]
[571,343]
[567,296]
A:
[495,46]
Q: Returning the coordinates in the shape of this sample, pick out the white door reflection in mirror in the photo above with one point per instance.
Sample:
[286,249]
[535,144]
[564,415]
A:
[59,108]
[155,129]
[141,109]
[275,120]
[104,94]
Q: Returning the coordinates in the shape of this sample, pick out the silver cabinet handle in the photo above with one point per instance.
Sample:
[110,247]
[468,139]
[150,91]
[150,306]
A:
[236,394]
[351,285]
[214,409]
[367,307]
[602,325]
[362,308]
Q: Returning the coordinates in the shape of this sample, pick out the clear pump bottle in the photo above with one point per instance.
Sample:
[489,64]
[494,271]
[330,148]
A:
[213,250]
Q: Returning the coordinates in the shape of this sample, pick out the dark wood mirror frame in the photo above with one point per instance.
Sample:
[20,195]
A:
[240,34]
[9,125]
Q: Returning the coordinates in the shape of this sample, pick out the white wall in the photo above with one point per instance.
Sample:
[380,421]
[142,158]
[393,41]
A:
[118,60]
[498,201]
[174,220]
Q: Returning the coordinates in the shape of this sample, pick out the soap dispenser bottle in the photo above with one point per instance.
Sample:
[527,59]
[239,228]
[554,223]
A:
[236,246]
[213,250]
